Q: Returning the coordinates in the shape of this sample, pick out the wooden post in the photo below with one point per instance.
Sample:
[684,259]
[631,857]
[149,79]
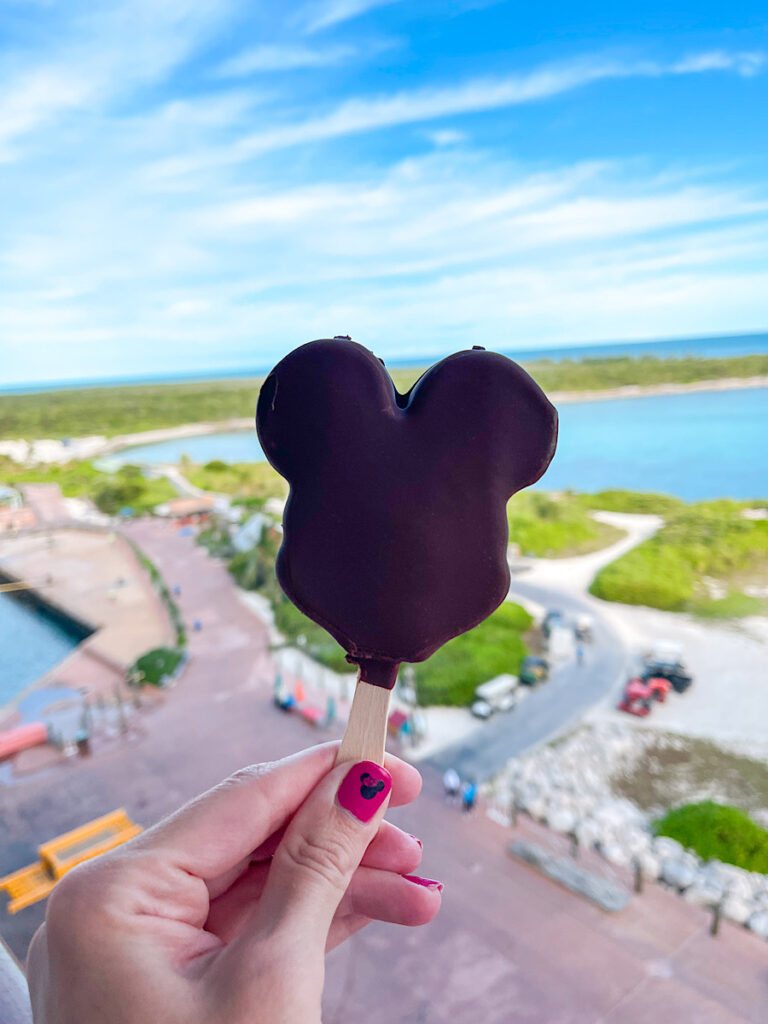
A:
[717,909]
[638,871]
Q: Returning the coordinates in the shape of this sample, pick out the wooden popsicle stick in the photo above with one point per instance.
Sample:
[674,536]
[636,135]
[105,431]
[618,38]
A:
[366,732]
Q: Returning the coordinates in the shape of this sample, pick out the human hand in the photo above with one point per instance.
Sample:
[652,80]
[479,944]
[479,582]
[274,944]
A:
[224,911]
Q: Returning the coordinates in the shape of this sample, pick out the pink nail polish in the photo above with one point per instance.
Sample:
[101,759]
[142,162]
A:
[416,839]
[365,788]
[428,883]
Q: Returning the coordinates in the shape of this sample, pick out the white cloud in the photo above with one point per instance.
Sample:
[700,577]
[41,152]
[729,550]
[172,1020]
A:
[745,64]
[105,54]
[282,58]
[446,137]
[37,97]
[356,116]
[325,14]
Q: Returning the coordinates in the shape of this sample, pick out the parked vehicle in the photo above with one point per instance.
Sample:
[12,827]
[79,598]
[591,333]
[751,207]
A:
[636,706]
[496,695]
[583,629]
[553,618]
[533,670]
[653,688]
[679,677]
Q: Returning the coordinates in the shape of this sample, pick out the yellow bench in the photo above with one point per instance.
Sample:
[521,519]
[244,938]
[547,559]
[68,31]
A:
[60,855]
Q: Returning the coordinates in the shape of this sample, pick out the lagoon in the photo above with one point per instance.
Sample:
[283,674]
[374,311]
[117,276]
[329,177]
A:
[699,445]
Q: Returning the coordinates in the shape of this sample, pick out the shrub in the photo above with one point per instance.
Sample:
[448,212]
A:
[154,666]
[649,575]
[711,538]
[454,672]
[644,502]
[716,831]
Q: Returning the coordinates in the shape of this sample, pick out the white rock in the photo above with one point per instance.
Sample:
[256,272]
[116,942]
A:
[667,849]
[561,819]
[616,854]
[703,896]
[758,923]
[587,835]
[649,865]
[737,910]
[677,874]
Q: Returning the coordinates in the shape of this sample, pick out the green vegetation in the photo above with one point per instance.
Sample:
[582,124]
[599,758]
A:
[643,371]
[250,483]
[556,525]
[711,539]
[638,502]
[454,672]
[718,832]
[155,666]
[133,408]
[110,492]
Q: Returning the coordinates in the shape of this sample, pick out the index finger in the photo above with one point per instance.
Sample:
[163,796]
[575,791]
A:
[220,828]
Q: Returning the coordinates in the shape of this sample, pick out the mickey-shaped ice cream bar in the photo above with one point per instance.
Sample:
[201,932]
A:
[395,530]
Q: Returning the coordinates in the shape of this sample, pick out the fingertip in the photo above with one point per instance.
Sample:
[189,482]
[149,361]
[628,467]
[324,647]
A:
[406,780]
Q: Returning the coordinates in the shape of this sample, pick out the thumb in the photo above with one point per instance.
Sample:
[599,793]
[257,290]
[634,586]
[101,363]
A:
[320,851]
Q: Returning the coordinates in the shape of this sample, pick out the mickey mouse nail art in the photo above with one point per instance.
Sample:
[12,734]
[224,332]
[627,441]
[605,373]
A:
[364,789]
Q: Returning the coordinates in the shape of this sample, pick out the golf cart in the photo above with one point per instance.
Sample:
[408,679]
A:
[665,660]
[533,670]
[583,628]
[496,695]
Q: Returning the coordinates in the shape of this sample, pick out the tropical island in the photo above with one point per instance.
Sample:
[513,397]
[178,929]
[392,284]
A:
[110,411]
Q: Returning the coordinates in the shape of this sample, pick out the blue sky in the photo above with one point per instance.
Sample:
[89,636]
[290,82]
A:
[202,184]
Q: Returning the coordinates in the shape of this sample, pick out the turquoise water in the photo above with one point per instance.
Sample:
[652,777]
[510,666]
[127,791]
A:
[30,644]
[707,444]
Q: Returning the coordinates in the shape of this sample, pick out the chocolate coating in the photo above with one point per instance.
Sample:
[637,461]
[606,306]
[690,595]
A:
[395,530]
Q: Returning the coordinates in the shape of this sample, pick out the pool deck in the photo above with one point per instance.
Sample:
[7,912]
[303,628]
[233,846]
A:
[95,577]
[509,944]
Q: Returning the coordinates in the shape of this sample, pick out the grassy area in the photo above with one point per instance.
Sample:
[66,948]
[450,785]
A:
[717,832]
[132,408]
[637,502]
[250,483]
[711,541]
[110,492]
[454,672]
[556,525]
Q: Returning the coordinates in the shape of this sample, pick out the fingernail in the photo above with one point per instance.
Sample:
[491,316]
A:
[416,839]
[365,788]
[428,883]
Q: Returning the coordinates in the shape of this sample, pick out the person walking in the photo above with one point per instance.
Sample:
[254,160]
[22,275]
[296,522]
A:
[468,795]
[452,784]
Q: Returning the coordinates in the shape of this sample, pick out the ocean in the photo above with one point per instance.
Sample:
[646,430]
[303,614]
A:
[709,348]
[700,445]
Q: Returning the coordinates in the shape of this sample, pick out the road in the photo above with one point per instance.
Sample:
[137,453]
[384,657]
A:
[552,706]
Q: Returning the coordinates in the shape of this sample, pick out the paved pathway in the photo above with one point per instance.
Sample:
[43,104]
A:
[550,707]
